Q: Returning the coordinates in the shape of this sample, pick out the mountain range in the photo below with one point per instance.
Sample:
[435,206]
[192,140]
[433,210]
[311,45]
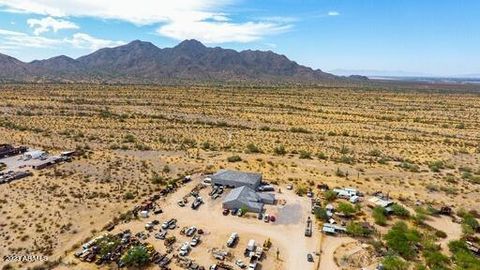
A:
[143,62]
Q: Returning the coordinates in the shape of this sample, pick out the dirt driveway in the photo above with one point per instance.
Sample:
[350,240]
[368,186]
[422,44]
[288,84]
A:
[287,236]
[329,245]
[446,225]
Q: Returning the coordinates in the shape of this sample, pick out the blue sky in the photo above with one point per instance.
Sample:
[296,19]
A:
[440,37]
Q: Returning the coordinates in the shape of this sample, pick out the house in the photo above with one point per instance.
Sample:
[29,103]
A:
[333,229]
[246,197]
[235,179]
[345,193]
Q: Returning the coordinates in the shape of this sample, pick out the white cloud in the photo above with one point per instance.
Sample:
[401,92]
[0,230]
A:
[141,12]
[220,32]
[333,13]
[10,39]
[85,41]
[178,19]
[48,23]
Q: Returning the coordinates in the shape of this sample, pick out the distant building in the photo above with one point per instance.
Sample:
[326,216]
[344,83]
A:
[381,202]
[246,197]
[35,154]
[346,193]
[235,179]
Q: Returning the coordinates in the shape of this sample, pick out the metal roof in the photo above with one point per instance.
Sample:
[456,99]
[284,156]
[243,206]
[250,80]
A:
[237,176]
[246,196]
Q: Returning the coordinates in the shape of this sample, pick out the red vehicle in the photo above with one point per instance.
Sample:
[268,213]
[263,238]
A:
[272,218]
[226,212]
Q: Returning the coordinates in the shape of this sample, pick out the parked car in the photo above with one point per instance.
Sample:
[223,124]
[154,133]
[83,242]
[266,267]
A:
[266,218]
[289,187]
[240,264]
[198,201]
[187,179]
[225,212]
[161,235]
[272,218]
[207,181]
[184,249]
[181,203]
[214,191]
[240,213]
[195,241]
[170,224]
[260,216]
[232,240]
[149,226]
[190,231]
[309,257]
[215,196]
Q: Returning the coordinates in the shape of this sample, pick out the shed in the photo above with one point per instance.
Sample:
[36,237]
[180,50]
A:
[235,179]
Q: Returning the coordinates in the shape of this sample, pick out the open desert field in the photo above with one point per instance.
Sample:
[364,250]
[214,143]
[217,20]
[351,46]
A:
[419,146]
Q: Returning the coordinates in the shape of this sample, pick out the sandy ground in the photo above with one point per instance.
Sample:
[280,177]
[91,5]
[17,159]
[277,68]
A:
[18,163]
[286,236]
[445,224]
[329,245]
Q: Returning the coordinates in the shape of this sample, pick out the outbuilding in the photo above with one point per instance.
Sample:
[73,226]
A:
[35,154]
[245,197]
[235,179]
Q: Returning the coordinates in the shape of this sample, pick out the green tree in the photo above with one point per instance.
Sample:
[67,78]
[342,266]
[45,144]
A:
[436,260]
[420,215]
[129,196]
[346,208]
[330,195]
[469,224]
[136,256]
[357,230]
[379,216]
[400,211]
[280,150]
[305,154]
[463,257]
[252,148]
[394,263]
[320,213]
[402,240]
